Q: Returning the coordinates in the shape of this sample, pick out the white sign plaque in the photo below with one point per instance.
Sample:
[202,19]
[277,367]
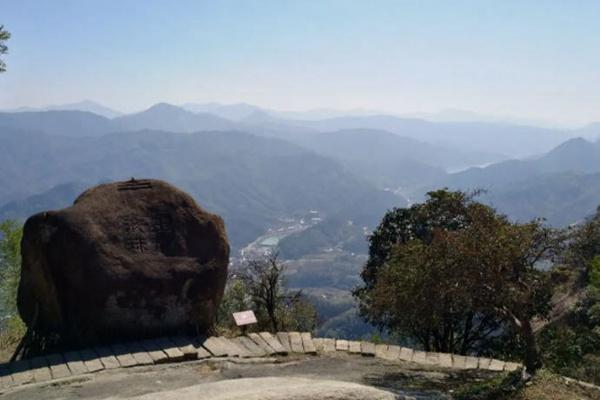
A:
[244,318]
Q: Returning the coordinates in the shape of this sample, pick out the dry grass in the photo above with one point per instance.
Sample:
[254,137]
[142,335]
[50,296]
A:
[548,386]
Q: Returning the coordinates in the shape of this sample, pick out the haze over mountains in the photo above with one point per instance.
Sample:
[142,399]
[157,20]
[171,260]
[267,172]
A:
[255,166]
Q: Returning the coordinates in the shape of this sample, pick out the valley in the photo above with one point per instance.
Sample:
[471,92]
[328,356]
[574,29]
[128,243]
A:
[309,190]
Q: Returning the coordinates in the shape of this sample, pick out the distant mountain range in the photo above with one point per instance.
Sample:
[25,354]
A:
[501,139]
[85,105]
[254,167]
[562,186]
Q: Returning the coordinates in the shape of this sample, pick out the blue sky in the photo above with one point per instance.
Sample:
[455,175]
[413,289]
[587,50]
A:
[534,59]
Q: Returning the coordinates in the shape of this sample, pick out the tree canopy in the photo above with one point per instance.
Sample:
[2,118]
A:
[4,36]
[455,276]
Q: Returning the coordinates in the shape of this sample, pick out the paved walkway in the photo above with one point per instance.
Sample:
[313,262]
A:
[254,345]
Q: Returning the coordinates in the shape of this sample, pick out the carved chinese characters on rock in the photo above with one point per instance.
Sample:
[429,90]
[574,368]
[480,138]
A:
[153,233]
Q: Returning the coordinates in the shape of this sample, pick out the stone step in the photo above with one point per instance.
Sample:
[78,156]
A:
[445,360]
[249,345]
[284,339]
[307,343]
[391,353]
[432,358]
[21,372]
[367,349]
[155,351]
[296,342]
[318,342]
[484,363]
[235,349]
[91,360]
[380,350]
[328,345]
[419,357]
[139,354]
[406,354]
[255,337]
[40,369]
[186,346]
[122,354]
[472,362]
[273,343]
[170,349]
[215,347]
[497,365]
[459,362]
[354,346]
[75,363]
[342,345]
[58,367]
[512,366]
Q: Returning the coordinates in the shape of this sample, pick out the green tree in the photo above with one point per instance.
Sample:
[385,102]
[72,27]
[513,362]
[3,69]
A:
[452,275]
[10,273]
[4,36]
[10,263]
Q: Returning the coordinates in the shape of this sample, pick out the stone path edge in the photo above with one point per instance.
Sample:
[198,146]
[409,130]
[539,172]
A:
[134,354]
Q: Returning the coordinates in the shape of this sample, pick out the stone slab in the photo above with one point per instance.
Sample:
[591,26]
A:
[472,362]
[406,354]
[496,365]
[296,342]
[484,363]
[307,343]
[58,367]
[121,352]
[354,346]
[139,354]
[107,357]
[21,372]
[328,345]
[40,369]
[235,349]
[445,360]
[273,342]
[432,358]
[419,357]
[155,351]
[215,347]
[342,345]
[367,349]
[380,350]
[318,342]
[459,362]
[260,342]
[170,350]
[91,360]
[512,366]
[284,339]
[252,347]
[75,363]
[392,353]
[186,346]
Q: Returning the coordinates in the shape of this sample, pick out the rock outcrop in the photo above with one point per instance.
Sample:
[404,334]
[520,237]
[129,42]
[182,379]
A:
[128,260]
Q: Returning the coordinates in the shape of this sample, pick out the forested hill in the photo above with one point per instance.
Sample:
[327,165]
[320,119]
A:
[250,180]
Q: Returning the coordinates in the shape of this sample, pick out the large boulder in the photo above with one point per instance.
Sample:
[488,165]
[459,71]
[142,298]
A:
[128,260]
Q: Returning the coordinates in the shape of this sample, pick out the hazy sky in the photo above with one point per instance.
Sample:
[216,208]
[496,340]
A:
[538,59]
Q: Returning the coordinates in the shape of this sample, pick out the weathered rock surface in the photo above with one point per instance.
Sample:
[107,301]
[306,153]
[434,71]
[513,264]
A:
[127,260]
[272,388]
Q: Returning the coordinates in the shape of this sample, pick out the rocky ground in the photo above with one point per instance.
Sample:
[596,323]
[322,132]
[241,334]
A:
[296,377]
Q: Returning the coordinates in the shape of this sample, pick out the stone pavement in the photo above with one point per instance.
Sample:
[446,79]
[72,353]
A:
[254,345]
